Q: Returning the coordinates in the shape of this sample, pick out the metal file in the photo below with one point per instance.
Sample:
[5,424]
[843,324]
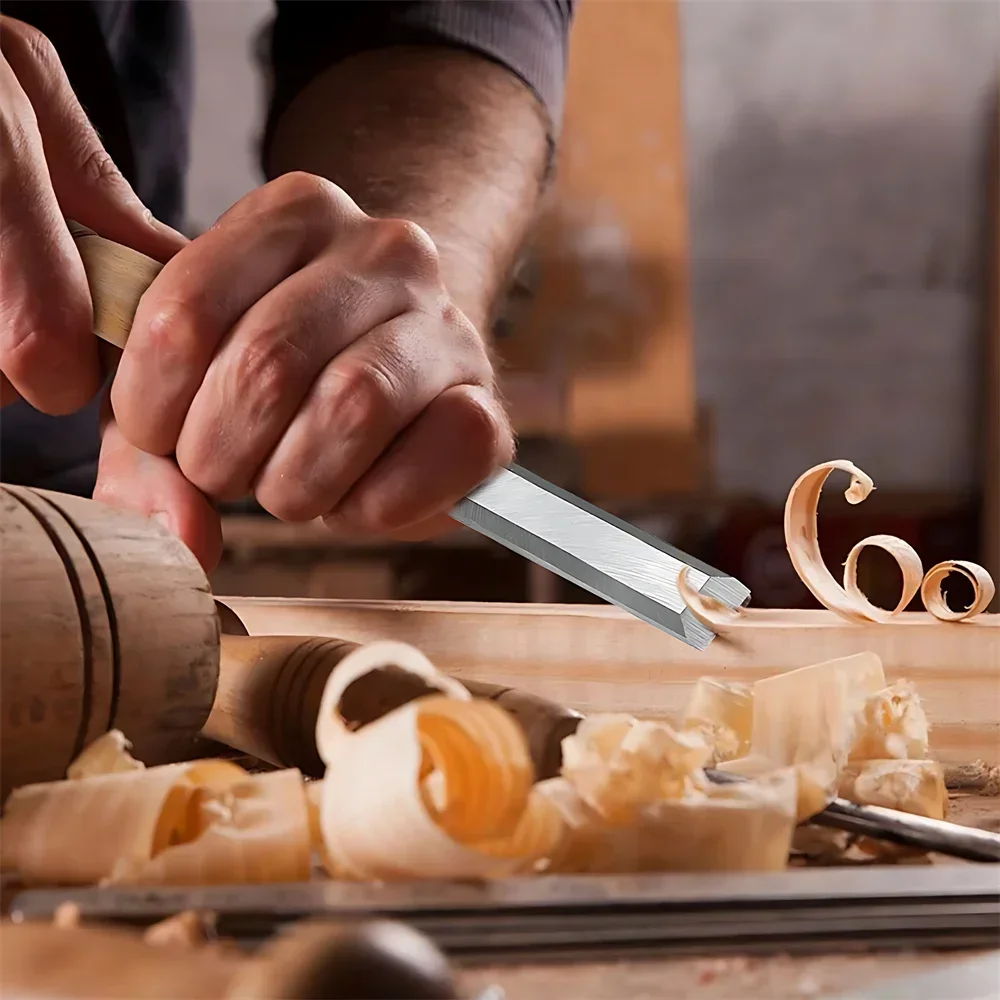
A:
[596,551]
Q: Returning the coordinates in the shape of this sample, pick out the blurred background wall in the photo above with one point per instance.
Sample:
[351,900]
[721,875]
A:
[833,160]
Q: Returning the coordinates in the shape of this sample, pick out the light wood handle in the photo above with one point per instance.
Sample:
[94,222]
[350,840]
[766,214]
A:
[118,277]
[313,960]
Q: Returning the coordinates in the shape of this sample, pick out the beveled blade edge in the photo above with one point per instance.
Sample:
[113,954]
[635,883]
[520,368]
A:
[683,626]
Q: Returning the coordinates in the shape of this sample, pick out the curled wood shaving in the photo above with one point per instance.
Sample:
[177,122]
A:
[634,797]
[713,614]
[909,565]
[746,827]
[76,832]
[438,787]
[202,822]
[932,589]
[314,797]
[913,786]
[893,724]
[802,542]
[254,830]
[618,765]
[808,719]
[723,712]
[108,754]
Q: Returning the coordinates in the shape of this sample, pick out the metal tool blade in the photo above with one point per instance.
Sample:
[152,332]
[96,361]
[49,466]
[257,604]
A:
[599,552]
[908,829]
[545,918]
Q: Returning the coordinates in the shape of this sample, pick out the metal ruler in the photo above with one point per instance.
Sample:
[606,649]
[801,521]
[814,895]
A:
[562,917]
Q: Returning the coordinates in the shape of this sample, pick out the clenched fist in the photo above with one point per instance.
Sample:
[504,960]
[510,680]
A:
[299,350]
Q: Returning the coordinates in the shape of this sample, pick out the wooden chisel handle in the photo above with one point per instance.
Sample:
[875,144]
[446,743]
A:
[270,687]
[117,277]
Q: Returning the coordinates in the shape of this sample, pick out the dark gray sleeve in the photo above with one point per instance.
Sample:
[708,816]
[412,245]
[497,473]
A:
[529,37]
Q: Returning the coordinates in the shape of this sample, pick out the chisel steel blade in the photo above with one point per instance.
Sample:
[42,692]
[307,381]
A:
[596,551]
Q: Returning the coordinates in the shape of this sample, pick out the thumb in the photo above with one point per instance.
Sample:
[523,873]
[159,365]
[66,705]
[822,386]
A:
[89,187]
[153,485]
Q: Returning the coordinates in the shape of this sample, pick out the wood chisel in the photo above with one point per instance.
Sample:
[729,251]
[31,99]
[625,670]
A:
[558,917]
[599,552]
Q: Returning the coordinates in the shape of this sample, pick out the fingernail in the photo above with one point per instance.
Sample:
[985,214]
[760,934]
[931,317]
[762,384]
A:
[161,227]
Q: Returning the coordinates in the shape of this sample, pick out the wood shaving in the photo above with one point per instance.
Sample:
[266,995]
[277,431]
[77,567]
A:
[808,719]
[452,796]
[255,830]
[802,542]
[618,765]
[108,754]
[906,558]
[893,724]
[932,589]
[977,777]
[745,827]
[723,713]
[848,601]
[202,822]
[913,786]
[712,613]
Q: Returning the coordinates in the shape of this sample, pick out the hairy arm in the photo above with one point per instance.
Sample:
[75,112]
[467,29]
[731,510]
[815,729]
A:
[438,136]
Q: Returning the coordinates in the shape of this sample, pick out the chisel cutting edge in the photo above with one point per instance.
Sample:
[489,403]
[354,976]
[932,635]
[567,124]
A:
[547,525]
[596,551]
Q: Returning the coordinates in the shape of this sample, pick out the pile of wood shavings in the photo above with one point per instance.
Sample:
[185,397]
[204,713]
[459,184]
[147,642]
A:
[447,781]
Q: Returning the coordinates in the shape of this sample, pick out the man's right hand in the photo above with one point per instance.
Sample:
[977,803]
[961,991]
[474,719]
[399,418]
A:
[53,167]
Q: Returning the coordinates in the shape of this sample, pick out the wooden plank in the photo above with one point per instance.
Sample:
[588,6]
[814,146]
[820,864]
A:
[598,658]
[609,328]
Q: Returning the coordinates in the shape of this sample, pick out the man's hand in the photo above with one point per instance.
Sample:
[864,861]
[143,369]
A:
[309,353]
[52,165]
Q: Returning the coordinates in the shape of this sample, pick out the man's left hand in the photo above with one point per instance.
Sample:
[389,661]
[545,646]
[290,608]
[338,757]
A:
[307,353]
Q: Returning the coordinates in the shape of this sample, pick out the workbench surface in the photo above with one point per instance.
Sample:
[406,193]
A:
[737,977]
[733,978]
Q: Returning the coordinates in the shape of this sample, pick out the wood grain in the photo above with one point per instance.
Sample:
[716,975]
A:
[117,277]
[107,622]
[598,658]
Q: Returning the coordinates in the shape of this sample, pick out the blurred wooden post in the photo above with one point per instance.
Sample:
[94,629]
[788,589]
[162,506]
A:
[603,354]
[991,485]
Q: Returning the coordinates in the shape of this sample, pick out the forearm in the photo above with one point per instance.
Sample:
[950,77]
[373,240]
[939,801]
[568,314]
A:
[443,138]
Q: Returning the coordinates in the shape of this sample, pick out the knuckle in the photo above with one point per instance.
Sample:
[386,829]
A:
[285,505]
[468,339]
[30,41]
[268,369]
[303,190]
[96,168]
[364,396]
[486,427]
[405,245]
[174,331]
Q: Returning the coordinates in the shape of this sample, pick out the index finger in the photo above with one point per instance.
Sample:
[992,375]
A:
[47,347]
